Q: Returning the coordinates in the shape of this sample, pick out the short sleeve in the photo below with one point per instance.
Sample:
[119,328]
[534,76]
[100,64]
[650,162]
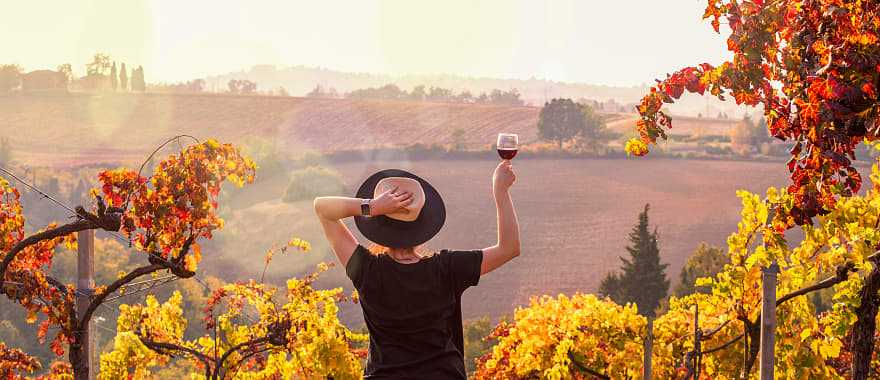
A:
[464,267]
[357,264]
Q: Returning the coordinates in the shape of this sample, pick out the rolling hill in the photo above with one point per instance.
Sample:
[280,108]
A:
[74,129]
[575,213]
[77,128]
[299,80]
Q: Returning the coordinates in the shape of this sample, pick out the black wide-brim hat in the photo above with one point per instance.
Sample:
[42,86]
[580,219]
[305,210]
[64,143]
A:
[394,233]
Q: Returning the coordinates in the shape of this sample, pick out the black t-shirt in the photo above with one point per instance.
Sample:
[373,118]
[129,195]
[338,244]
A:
[413,312]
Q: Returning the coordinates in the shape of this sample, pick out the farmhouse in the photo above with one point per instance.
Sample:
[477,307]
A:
[44,80]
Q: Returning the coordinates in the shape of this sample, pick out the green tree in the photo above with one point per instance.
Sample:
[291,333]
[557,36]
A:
[594,134]
[66,70]
[439,94]
[476,341]
[418,93]
[762,134]
[317,92]
[560,120]
[100,65]
[464,97]
[742,136]
[244,87]
[114,77]
[643,278]
[137,80]
[123,77]
[10,77]
[388,92]
[508,98]
[706,261]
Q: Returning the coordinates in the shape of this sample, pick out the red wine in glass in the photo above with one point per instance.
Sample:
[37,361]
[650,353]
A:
[507,154]
[507,145]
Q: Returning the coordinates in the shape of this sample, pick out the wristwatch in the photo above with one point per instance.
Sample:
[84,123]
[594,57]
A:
[365,207]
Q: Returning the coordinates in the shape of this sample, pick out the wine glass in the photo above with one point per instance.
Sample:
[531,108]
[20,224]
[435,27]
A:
[507,145]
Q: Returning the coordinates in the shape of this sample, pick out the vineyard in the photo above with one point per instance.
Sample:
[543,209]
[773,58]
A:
[76,129]
[81,129]
[787,287]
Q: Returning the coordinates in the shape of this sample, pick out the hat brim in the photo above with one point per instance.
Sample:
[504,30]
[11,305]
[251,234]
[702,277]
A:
[396,233]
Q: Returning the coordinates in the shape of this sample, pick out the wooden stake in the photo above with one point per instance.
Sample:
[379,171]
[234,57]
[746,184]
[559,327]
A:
[649,343]
[85,286]
[768,320]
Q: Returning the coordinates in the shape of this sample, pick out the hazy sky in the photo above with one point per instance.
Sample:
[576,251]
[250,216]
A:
[615,42]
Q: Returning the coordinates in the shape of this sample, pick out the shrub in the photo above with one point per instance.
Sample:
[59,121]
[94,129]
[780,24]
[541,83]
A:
[311,182]
[718,151]
[309,158]
[476,341]
[551,332]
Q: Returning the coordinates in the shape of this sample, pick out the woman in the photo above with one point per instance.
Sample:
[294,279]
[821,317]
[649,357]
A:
[412,300]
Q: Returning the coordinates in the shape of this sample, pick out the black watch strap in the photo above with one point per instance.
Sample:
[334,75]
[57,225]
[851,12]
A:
[365,207]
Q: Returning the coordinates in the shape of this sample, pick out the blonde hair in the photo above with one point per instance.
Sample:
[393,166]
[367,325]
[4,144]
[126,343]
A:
[419,250]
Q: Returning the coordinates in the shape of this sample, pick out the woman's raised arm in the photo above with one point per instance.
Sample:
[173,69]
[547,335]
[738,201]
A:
[507,246]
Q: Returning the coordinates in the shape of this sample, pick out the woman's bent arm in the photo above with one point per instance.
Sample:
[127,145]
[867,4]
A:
[507,246]
[331,211]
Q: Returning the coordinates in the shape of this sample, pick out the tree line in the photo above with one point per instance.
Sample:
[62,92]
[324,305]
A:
[422,93]
[101,74]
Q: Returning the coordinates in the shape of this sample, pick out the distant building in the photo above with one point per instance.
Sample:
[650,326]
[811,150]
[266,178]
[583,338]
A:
[44,80]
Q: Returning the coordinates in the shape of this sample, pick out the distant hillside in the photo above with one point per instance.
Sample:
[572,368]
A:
[75,129]
[299,80]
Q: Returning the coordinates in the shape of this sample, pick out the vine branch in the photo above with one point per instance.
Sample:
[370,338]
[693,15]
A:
[252,342]
[167,348]
[584,368]
[52,233]
[108,221]
[99,298]
[841,274]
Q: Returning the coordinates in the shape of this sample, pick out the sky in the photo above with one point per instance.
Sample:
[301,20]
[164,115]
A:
[611,42]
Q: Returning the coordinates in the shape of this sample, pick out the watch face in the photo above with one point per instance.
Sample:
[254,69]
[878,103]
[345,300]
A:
[365,208]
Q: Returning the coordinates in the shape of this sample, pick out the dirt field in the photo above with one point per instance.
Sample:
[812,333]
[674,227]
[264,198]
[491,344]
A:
[574,215]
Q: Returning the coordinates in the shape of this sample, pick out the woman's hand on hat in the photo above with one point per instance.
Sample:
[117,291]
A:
[390,202]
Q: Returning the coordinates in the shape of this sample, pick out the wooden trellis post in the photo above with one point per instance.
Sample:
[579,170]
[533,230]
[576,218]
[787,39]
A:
[698,337]
[85,288]
[649,343]
[768,320]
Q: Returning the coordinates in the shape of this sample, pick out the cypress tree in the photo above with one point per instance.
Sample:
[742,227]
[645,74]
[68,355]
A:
[137,80]
[114,79]
[643,278]
[123,77]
